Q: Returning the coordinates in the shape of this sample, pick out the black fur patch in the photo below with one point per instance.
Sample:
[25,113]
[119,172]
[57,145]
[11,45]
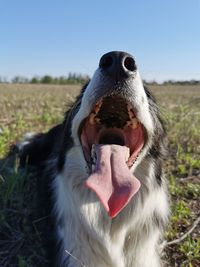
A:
[67,141]
[158,171]
[41,147]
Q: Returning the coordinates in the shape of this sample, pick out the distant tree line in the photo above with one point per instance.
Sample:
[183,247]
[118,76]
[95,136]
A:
[71,78]
[174,82]
[74,78]
[191,82]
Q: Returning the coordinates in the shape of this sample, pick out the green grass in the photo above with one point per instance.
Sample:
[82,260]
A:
[24,108]
[35,108]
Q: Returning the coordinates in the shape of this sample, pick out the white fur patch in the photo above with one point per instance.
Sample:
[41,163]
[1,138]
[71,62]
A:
[26,140]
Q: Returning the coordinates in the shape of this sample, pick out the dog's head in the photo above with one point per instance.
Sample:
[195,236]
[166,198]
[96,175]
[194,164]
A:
[115,122]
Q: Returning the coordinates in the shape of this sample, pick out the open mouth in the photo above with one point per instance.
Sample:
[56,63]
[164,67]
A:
[112,138]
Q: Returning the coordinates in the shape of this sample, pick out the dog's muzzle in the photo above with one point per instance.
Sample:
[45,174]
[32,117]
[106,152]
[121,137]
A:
[112,136]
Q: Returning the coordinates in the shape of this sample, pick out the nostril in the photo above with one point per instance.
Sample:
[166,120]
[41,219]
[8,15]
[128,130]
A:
[117,65]
[129,64]
[106,62]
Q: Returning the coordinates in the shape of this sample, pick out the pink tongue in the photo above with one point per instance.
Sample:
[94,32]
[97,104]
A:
[112,180]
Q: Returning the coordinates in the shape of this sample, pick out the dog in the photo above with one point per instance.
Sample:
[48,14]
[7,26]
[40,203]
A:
[107,187]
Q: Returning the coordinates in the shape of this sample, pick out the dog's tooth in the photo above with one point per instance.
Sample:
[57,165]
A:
[128,123]
[98,106]
[93,114]
[131,113]
[134,123]
[97,120]
[92,118]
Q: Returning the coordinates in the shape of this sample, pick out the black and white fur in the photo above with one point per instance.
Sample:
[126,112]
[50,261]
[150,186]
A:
[85,234]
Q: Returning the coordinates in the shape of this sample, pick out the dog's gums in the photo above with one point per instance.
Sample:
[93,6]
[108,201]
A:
[113,121]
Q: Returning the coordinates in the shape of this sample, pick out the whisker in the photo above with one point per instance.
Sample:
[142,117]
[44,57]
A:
[83,265]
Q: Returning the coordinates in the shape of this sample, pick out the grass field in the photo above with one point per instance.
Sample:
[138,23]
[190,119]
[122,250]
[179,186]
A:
[34,108]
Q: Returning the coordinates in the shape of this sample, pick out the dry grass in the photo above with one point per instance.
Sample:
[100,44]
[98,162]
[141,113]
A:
[35,108]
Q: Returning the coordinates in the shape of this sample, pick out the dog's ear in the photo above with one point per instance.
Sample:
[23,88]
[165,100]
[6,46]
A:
[37,149]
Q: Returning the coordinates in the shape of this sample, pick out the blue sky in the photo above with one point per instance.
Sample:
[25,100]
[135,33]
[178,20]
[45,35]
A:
[58,37]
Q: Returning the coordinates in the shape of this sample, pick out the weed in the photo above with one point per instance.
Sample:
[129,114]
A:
[191,250]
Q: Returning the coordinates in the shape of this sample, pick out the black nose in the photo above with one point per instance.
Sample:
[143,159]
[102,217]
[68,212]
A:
[118,65]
